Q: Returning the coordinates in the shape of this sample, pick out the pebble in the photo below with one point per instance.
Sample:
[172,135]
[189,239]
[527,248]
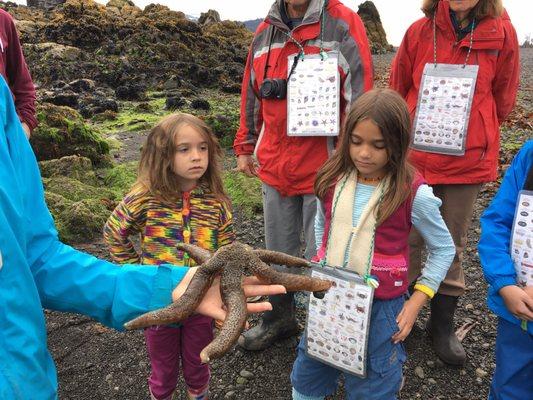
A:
[246,374]
[469,307]
[439,363]
[481,373]
[430,363]
[419,372]
[241,381]
[485,345]
[432,381]
[229,395]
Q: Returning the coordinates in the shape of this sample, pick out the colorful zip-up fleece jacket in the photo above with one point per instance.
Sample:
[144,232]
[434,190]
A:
[197,217]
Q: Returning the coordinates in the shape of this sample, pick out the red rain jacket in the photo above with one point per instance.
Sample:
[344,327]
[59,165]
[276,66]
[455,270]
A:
[289,164]
[495,50]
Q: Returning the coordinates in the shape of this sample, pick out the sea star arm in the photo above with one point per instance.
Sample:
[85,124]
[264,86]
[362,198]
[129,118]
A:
[235,301]
[181,308]
[292,282]
[275,257]
[198,254]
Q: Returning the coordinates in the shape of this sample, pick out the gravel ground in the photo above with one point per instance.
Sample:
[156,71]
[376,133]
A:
[98,363]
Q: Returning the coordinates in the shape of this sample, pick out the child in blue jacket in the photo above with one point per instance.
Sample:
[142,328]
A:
[37,270]
[513,377]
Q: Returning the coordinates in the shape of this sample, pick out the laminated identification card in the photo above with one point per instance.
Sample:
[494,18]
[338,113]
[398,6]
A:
[443,108]
[522,239]
[313,96]
[337,325]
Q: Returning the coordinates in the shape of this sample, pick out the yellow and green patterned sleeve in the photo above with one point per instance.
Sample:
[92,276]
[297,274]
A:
[226,233]
[127,219]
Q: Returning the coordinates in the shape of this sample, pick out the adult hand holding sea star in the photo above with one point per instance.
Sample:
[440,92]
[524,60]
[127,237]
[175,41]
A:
[230,263]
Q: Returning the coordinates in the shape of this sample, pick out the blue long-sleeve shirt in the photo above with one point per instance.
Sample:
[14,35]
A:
[425,217]
[37,270]
[496,228]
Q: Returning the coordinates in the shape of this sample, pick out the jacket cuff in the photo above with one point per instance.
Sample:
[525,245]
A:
[497,284]
[244,149]
[29,119]
[165,281]
[425,289]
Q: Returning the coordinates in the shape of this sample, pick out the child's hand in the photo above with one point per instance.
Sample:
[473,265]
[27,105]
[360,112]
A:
[212,305]
[407,317]
[518,301]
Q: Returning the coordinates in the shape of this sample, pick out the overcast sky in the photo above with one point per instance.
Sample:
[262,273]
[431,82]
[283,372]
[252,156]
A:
[396,15]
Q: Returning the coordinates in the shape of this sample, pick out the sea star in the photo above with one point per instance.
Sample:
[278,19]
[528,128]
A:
[230,262]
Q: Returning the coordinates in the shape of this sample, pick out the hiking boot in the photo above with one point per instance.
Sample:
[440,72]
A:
[441,330]
[279,323]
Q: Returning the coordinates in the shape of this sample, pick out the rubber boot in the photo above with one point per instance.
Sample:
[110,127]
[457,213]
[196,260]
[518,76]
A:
[441,330]
[277,324]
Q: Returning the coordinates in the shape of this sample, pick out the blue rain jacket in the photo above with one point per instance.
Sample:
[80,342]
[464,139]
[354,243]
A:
[37,270]
[496,228]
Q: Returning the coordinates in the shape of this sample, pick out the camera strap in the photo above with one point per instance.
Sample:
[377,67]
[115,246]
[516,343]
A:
[301,53]
[268,53]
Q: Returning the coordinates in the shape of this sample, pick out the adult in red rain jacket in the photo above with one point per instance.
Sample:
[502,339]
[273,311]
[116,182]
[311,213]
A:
[458,179]
[288,165]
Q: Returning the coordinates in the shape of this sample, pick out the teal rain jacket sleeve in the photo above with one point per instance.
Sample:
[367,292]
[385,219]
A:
[496,227]
[37,270]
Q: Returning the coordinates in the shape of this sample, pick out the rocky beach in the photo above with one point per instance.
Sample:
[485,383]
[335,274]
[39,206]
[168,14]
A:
[105,75]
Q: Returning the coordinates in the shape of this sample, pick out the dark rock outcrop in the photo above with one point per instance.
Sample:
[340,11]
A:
[210,17]
[120,44]
[374,29]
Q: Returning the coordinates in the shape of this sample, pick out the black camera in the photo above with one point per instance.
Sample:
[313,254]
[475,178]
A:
[273,89]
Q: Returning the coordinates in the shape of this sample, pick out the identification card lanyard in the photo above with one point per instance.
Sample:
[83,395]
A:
[444,104]
[313,96]
[522,239]
[337,326]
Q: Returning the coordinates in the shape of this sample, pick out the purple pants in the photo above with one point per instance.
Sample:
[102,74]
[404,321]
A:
[168,345]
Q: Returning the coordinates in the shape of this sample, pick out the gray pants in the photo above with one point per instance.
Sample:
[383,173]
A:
[285,219]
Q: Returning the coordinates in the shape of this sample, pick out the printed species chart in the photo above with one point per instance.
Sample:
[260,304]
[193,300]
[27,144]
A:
[443,112]
[522,239]
[313,97]
[337,325]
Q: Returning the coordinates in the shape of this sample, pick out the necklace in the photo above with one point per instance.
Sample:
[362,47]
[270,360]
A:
[363,179]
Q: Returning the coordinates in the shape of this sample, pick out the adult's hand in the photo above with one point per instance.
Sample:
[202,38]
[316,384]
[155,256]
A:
[212,305]
[27,129]
[246,164]
[518,302]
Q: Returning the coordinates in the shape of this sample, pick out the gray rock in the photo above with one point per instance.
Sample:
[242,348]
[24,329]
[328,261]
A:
[419,371]
[241,381]
[481,373]
[246,374]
